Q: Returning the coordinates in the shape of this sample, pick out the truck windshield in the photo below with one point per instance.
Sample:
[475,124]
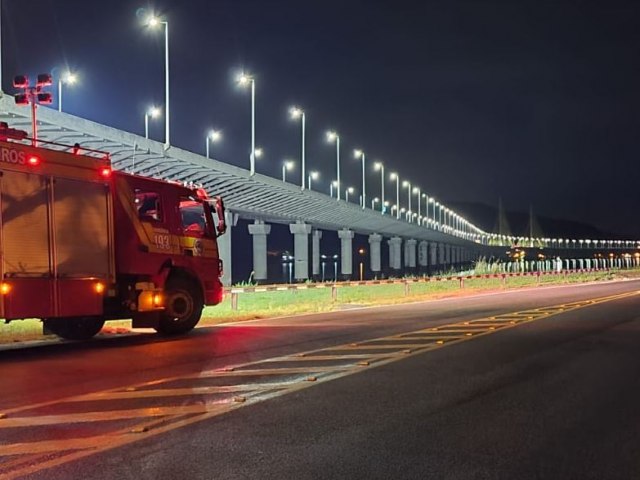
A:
[193,218]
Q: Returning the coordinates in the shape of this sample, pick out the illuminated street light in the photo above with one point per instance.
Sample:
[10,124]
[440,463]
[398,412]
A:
[295,114]
[348,191]
[153,22]
[286,165]
[68,78]
[312,176]
[373,203]
[383,204]
[152,112]
[332,185]
[258,152]
[334,137]
[407,184]
[245,80]
[417,191]
[360,153]
[213,136]
[396,177]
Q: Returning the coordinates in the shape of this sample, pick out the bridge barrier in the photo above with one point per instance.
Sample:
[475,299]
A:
[235,292]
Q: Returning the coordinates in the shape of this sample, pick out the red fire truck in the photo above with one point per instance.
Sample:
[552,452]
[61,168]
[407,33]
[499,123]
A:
[81,243]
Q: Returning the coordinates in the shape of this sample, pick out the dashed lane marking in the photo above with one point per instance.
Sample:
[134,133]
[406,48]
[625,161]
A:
[200,402]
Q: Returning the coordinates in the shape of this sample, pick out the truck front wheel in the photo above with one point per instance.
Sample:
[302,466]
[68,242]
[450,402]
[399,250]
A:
[74,328]
[183,307]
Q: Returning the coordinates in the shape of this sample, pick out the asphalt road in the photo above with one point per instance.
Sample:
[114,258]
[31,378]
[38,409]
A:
[532,384]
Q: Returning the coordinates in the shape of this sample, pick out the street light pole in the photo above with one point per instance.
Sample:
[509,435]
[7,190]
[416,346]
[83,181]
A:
[380,166]
[243,80]
[68,78]
[153,22]
[407,184]
[334,137]
[152,112]
[360,153]
[299,113]
[347,191]
[286,165]
[396,177]
[312,176]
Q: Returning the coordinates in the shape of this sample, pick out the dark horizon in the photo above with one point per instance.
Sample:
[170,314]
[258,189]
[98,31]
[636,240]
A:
[536,103]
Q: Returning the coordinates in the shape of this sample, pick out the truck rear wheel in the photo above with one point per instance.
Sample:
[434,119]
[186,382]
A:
[74,328]
[183,307]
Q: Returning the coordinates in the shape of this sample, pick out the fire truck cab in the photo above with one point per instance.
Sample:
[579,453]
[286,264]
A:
[81,244]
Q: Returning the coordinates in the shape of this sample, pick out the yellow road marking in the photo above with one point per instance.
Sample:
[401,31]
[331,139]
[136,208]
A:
[178,392]
[110,415]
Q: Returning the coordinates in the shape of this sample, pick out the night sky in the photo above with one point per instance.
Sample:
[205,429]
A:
[534,102]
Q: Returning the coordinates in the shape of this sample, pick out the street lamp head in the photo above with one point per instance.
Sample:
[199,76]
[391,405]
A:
[375,200]
[296,112]
[215,135]
[406,183]
[332,136]
[358,153]
[416,190]
[258,152]
[351,189]
[334,183]
[153,21]
[393,176]
[289,164]
[386,203]
[69,78]
[402,210]
[314,175]
[244,79]
[154,112]
[377,166]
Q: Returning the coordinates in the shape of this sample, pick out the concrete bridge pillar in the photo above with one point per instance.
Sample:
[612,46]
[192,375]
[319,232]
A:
[433,255]
[224,247]
[346,238]
[259,232]
[423,254]
[446,255]
[316,235]
[374,252]
[300,231]
[395,257]
[410,261]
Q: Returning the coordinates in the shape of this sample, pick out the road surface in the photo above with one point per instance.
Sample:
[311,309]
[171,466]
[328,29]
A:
[529,384]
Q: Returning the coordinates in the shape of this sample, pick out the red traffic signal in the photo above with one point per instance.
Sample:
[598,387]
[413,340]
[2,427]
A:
[21,81]
[44,80]
[45,98]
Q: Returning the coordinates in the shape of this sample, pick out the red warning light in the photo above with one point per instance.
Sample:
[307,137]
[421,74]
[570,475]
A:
[105,172]
[33,161]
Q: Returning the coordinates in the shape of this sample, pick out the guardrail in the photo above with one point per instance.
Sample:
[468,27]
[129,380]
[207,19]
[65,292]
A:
[407,282]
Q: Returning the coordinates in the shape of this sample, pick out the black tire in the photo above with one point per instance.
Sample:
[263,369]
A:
[183,307]
[75,328]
